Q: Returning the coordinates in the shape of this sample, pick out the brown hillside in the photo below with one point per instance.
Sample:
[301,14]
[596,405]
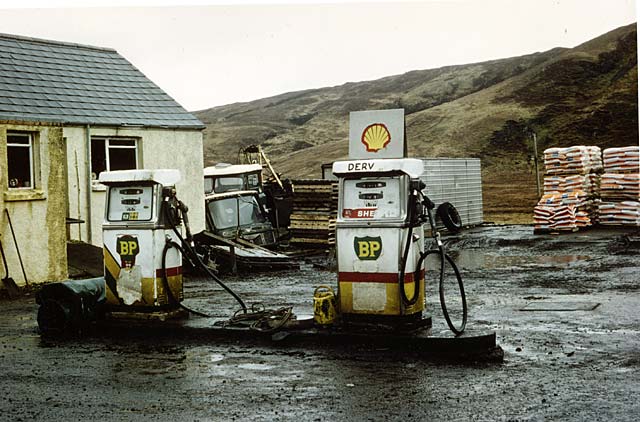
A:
[584,95]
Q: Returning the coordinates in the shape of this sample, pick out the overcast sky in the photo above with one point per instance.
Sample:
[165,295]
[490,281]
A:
[219,52]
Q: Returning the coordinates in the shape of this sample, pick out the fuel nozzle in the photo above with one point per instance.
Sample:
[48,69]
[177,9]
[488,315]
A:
[427,202]
[168,193]
[177,211]
[171,206]
[185,217]
[415,206]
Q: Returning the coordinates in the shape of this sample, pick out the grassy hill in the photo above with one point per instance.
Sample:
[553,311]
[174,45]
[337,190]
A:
[585,95]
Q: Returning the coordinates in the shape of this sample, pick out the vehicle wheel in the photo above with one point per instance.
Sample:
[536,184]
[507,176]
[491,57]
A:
[449,216]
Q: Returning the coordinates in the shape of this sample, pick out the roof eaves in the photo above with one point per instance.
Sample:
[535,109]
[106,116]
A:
[51,42]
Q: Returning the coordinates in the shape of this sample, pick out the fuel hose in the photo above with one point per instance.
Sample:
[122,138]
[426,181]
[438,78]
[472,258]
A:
[168,246]
[444,257]
[188,252]
[403,264]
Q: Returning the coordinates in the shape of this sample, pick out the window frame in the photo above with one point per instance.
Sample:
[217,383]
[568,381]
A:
[32,164]
[107,146]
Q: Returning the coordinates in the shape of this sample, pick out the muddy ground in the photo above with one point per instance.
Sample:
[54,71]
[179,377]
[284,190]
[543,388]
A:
[559,365]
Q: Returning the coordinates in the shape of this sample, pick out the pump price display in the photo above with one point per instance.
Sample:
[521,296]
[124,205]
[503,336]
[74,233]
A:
[371,198]
[131,203]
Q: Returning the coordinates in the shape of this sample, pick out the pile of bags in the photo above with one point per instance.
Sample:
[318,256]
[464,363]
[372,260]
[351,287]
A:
[620,189]
[573,160]
[621,160]
[571,189]
[620,186]
[567,211]
[626,213]
[588,183]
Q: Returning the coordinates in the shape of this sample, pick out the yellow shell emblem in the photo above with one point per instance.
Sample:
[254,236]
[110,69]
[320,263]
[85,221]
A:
[375,137]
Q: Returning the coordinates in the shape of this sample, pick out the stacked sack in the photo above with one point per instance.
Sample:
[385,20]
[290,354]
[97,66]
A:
[620,188]
[571,189]
[623,213]
[621,160]
[572,160]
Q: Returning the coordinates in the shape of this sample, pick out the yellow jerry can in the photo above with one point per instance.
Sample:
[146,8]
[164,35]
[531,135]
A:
[324,305]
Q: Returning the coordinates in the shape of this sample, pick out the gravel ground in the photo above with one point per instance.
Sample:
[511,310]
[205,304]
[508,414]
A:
[559,365]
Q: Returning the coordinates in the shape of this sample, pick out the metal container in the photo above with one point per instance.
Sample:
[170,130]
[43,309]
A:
[324,305]
[458,181]
[327,172]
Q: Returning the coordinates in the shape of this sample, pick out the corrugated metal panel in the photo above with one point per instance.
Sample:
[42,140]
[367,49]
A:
[456,180]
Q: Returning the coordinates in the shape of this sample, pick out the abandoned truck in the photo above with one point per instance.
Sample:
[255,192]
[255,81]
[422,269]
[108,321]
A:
[238,224]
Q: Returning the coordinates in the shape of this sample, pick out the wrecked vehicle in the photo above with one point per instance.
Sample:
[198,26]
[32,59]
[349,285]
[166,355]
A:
[224,177]
[274,195]
[238,234]
[239,215]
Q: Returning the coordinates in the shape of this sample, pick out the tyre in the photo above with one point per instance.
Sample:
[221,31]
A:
[449,216]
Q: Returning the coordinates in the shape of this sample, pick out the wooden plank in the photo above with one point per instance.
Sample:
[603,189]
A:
[310,217]
[309,240]
[310,226]
[313,219]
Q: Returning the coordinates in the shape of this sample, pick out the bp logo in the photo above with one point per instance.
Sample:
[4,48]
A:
[367,248]
[127,247]
[375,137]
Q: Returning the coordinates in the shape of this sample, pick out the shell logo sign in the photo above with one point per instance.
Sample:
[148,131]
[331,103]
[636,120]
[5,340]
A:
[375,134]
[376,137]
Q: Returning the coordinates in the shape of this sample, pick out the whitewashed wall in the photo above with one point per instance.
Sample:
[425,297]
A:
[37,214]
[157,149]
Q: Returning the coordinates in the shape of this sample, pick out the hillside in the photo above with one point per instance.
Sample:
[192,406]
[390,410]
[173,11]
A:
[583,95]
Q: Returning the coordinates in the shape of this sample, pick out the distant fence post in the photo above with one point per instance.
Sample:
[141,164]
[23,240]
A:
[535,161]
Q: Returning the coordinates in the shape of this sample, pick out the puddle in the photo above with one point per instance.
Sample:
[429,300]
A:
[216,357]
[255,366]
[474,260]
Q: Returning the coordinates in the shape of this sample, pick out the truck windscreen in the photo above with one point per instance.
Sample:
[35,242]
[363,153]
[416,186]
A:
[232,212]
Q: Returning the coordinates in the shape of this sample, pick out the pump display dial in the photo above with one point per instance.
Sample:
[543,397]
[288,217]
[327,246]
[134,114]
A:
[371,198]
[370,185]
[130,203]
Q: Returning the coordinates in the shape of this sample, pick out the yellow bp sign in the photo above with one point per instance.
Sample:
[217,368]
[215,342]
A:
[127,247]
[367,248]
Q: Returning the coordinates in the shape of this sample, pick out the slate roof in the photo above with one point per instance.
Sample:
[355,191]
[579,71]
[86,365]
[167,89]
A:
[52,81]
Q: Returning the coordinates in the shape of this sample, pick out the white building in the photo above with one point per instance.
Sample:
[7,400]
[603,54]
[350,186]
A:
[67,113]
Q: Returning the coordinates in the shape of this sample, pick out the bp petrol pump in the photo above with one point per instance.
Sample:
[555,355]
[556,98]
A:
[136,229]
[373,225]
[144,244]
[380,227]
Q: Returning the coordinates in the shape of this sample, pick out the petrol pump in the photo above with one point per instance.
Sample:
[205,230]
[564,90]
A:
[141,273]
[379,230]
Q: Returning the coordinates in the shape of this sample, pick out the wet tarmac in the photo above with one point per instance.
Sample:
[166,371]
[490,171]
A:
[576,363]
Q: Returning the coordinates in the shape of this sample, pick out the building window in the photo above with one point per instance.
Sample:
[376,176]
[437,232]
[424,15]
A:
[20,160]
[109,154]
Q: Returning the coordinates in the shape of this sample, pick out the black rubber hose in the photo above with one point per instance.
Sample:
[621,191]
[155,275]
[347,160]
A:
[193,257]
[167,246]
[443,256]
[403,265]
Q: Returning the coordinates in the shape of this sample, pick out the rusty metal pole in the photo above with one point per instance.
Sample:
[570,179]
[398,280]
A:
[535,161]
[234,262]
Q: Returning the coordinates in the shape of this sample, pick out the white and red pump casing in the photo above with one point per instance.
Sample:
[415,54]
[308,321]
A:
[371,236]
[135,233]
